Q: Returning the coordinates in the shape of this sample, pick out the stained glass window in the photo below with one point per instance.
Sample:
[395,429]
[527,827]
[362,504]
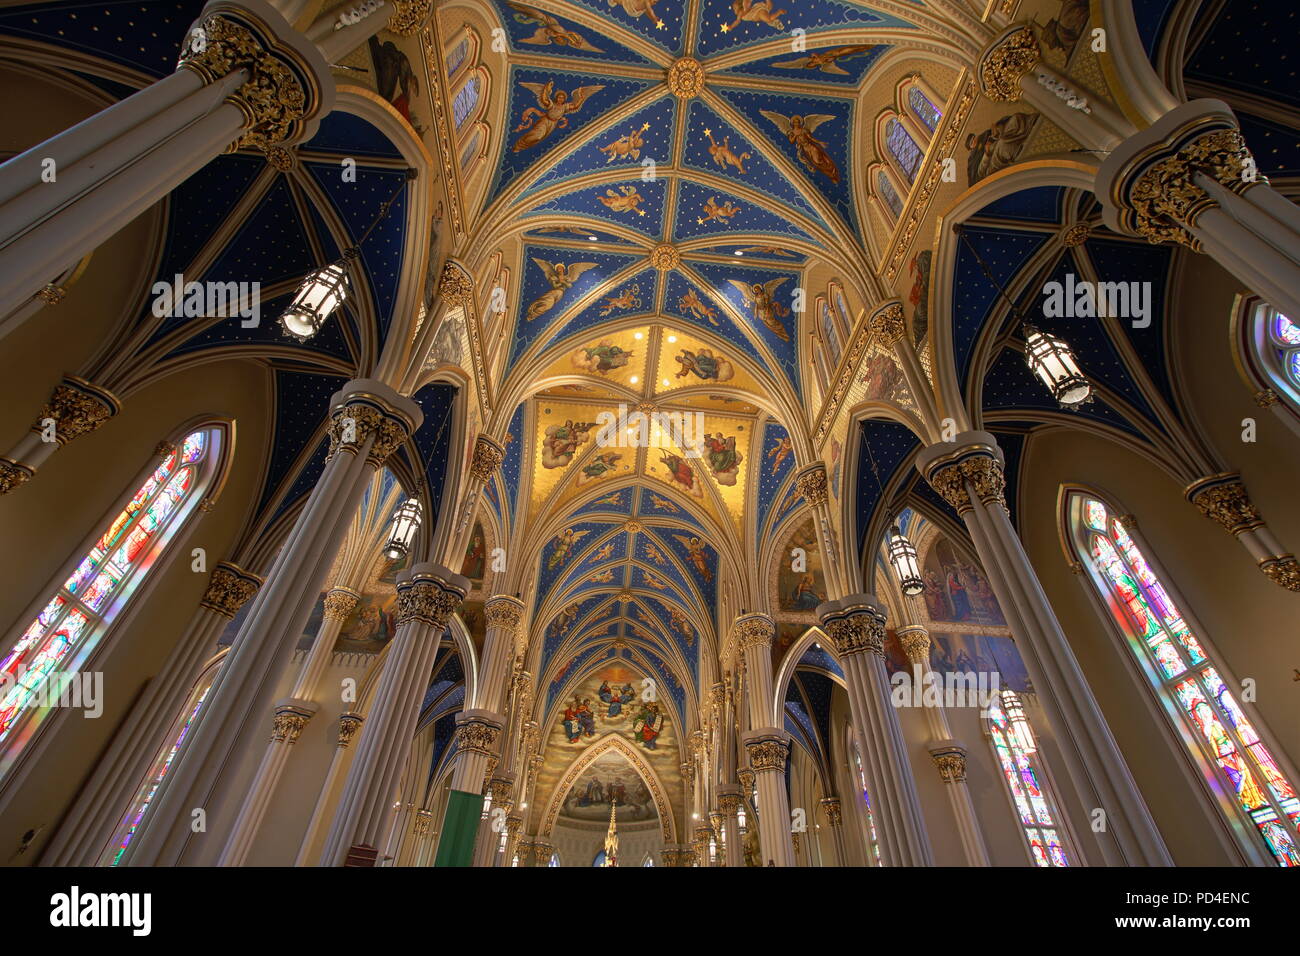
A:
[1284,337]
[33,671]
[1226,743]
[903,148]
[1026,782]
[866,802]
[888,193]
[158,769]
[462,108]
[830,334]
[925,111]
[457,56]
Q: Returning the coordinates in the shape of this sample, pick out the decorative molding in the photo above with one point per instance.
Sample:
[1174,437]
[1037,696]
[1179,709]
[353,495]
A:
[686,78]
[229,588]
[665,257]
[78,407]
[339,603]
[1005,61]
[1224,499]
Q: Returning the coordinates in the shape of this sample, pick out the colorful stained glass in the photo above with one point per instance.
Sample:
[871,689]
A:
[1230,743]
[1285,331]
[1032,801]
[83,606]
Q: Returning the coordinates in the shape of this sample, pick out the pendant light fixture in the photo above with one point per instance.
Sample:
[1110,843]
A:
[1049,357]
[406,521]
[902,555]
[324,290]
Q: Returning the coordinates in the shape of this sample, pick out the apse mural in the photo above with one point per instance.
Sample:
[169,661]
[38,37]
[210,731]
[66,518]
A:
[609,781]
[616,699]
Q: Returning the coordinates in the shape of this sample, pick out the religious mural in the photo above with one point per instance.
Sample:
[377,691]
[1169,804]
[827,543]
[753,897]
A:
[800,584]
[957,591]
[967,654]
[475,562]
[610,780]
[614,699]
[397,81]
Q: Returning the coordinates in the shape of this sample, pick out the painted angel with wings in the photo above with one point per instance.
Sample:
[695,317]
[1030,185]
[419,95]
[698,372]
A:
[695,549]
[550,30]
[759,299]
[565,542]
[810,150]
[827,61]
[561,278]
[552,112]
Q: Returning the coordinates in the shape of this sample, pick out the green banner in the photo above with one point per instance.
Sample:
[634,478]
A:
[459,829]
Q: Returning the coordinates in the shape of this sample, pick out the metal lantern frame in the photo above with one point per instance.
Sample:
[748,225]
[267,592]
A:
[905,561]
[1049,357]
[402,530]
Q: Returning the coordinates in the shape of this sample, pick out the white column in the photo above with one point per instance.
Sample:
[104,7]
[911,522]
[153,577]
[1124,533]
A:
[835,820]
[967,472]
[426,596]
[368,422]
[856,626]
[291,715]
[246,79]
[349,724]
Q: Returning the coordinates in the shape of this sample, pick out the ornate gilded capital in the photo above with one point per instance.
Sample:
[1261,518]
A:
[349,724]
[1223,497]
[358,420]
[729,802]
[831,807]
[688,773]
[288,724]
[887,323]
[13,474]
[51,294]
[754,630]
[429,599]
[854,627]
[513,826]
[811,483]
[488,455]
[949,482]
[665,257]
[409,16]
[950,762]
[280,91]
[1005,61]
[1076,235]
[1283,570]
[229,586]
[982,471]
[1155,184]
[504,611]
[279,158]
[916,643]
[747,780]
[686,77]
[1266,397]
[502,790]
[339,603]
[767,753]
[455,287]
[477,734]
[77,408]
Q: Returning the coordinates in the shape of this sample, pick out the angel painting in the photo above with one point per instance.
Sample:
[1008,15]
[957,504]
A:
[599,467]
[629,298]
[695,551]
[654,554]
[682,625]
[560,443]
[626,146]
[827,61]
[637,8]
[780,452]
[680,473]
[750,12]
[552,112]
[714,212]
[663,504]
[561,278]
[601,358]
[759,299]
[550,31]
[704,364]
[810,150]
[723,155]
[565,542]
[627,199]
[692,303]
[605,552]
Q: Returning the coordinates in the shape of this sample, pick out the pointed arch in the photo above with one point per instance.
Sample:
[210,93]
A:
[612,742]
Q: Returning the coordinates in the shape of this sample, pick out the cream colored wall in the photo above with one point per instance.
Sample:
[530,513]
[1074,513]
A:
[46,520]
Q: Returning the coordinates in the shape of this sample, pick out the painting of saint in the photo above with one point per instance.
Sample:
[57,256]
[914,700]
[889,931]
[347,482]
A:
[799,579]
[883,377]
[681,474]
[810,150]
[395,79]
[956,590]
[705,365]
[475,556]
[601,358]
[649,724]
[1062,32]
[998,146]
[560,442]
[603,464]
[695,549]
[723,459]
[919,297]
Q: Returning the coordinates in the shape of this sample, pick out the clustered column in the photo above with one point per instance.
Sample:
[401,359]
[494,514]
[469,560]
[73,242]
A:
[856,626]
[427,594]
[768,747]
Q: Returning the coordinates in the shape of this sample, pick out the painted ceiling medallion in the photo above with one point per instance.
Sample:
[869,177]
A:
[686,77]
[665,257]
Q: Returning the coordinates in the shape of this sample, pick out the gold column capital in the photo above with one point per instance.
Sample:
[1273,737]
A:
[888,323]
[77,407]
[339,603]
[409,16]
[488,455]
[1011,55]
[349,724]
[429,596]
[754,630]
[854,624]
[950,761]
[832,808]
[811,482]
[229,587]
[1224,499]
[455,285]
[916,642]
[767,752]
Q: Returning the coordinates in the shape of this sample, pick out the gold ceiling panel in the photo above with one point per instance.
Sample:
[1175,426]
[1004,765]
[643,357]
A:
[687,362]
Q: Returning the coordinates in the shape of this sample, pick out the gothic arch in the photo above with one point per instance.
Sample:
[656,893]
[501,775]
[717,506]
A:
[612,742]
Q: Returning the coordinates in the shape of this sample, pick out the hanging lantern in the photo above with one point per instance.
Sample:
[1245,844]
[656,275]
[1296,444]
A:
[320,294]
[1015,713]
[406,521]
[1052,361]
[902,555]
[740,819]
